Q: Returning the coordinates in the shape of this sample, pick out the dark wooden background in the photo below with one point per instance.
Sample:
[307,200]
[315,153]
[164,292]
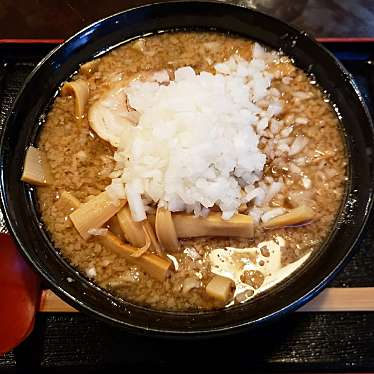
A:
[60,19]
[300,342]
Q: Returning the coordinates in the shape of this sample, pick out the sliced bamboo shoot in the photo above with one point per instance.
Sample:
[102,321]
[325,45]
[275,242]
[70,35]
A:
[94,213]
[156,266]
[152,219]
[220,288]
[189,226]
[36,169]
[295,216]
[136,233]
[140,251]
[132,230]
[90,67]
[165,230]
[68,203]
[148,228]
[80,90]
[115,228]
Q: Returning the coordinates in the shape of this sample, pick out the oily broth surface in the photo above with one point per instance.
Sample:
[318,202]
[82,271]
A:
[81,163]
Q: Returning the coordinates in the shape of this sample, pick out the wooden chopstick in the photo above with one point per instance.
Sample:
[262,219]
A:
[359,299]
[330,300]
[50,302]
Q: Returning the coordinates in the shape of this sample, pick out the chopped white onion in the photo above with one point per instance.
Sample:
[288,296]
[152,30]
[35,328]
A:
[272,213]
[298,145]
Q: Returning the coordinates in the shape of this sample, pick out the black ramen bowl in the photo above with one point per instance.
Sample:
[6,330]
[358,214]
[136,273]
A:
[26,118]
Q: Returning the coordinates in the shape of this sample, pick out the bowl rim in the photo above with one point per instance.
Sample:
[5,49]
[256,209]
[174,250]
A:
[296,303]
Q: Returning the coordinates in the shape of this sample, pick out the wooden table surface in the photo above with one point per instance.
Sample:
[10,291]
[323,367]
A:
[73,342]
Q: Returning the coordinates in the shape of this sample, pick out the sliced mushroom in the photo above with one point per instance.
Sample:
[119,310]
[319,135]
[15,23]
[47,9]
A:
[165,230]
[189,226]
[297,216]
[80,90]
[36,169]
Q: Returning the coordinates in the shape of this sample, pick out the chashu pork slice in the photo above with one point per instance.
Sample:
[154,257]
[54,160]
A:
[111,115]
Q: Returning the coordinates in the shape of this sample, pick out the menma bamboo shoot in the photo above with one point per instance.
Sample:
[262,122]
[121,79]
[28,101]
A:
[165,230]
[190,226]
[156,266]
[80,90]
[36,169]
[136,233]
[297,216]
[220,288]
[94,213]
[132,230]
[67,203]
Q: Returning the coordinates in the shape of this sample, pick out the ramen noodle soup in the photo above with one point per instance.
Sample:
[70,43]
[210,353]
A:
[189,171]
